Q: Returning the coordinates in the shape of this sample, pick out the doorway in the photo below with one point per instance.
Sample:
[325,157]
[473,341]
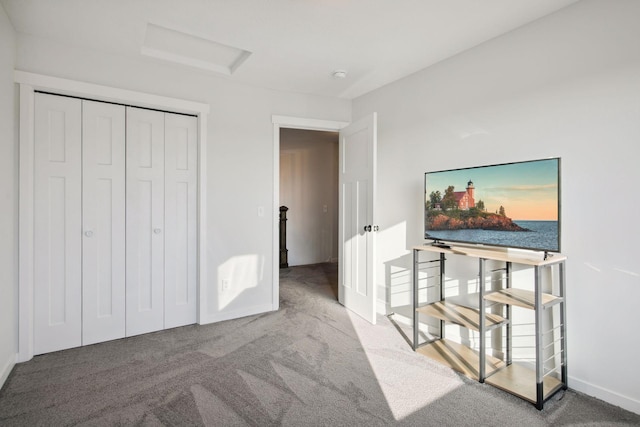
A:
[289,122]
[308,187]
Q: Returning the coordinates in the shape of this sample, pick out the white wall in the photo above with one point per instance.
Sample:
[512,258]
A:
[309,188]
[567,85]
[8,201]
[239,157]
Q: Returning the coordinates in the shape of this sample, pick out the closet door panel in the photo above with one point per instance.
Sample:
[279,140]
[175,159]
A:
[181,181]
[57,223]
[145,221]
[103,211]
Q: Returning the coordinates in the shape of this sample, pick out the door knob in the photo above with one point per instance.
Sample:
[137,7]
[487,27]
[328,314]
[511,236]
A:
[367,228]
[88,233]
[157,231]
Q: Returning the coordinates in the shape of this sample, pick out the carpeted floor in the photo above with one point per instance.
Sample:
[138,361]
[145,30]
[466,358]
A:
[310,363]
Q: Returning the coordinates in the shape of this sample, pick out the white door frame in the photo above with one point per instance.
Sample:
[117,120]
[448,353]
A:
[29,83]
[291,123]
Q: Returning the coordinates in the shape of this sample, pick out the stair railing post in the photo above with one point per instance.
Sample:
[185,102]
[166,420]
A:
[284,253]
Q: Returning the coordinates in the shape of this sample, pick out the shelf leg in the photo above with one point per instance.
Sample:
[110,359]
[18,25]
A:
[563,326]
[442,263]
[481,326]
[539,396]
[416,319]
[539,360]
[509,316]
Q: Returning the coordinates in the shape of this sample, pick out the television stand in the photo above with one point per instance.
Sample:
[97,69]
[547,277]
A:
[497,307]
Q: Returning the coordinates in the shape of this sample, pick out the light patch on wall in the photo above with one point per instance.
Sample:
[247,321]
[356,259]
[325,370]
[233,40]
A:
[593,267]
[628,272]
[238,274]
[186,49]
[396,279]
[463,127]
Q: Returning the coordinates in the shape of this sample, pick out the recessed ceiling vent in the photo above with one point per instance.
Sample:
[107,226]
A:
[185,49]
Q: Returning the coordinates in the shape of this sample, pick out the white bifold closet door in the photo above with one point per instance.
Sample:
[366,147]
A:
[103,222]
[180,218]
[161,220]
[57,223]
[145,221]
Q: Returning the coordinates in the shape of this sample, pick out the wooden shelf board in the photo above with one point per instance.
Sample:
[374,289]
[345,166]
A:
[459,315]
[521,381]
[532,258]
[459,357]
[469,300]
[520,298]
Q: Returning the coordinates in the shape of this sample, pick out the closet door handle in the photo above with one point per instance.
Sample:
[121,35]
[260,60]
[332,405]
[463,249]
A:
[157,231]
[88,233]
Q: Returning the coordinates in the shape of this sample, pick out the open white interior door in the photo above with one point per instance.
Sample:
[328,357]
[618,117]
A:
[357,181]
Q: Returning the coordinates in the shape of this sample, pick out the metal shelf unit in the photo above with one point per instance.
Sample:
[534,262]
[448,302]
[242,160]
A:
[470,311]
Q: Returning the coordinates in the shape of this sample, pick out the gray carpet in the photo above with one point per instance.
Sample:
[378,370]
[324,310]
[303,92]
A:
[310,363]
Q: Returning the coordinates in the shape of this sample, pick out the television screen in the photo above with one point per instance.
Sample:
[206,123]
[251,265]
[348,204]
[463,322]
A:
[513,205]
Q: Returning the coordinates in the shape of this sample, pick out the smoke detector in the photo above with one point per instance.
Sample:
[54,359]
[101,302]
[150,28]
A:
[339,74]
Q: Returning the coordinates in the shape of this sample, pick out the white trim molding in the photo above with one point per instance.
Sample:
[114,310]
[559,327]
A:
[237,314]
[607,395]
[5,369]
[29,84]
[108,94]
[292,123]
[26,225]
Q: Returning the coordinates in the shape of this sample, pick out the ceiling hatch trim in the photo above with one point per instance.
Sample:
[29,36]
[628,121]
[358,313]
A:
[193,51]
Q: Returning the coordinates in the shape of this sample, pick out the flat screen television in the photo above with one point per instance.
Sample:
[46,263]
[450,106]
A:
[514,205]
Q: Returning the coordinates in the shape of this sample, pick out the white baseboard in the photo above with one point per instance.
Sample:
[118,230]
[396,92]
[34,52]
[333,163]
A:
[236,314]
[608,396]
[7,366]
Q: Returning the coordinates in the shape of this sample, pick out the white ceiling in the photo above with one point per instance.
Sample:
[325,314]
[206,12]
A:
[295,45]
